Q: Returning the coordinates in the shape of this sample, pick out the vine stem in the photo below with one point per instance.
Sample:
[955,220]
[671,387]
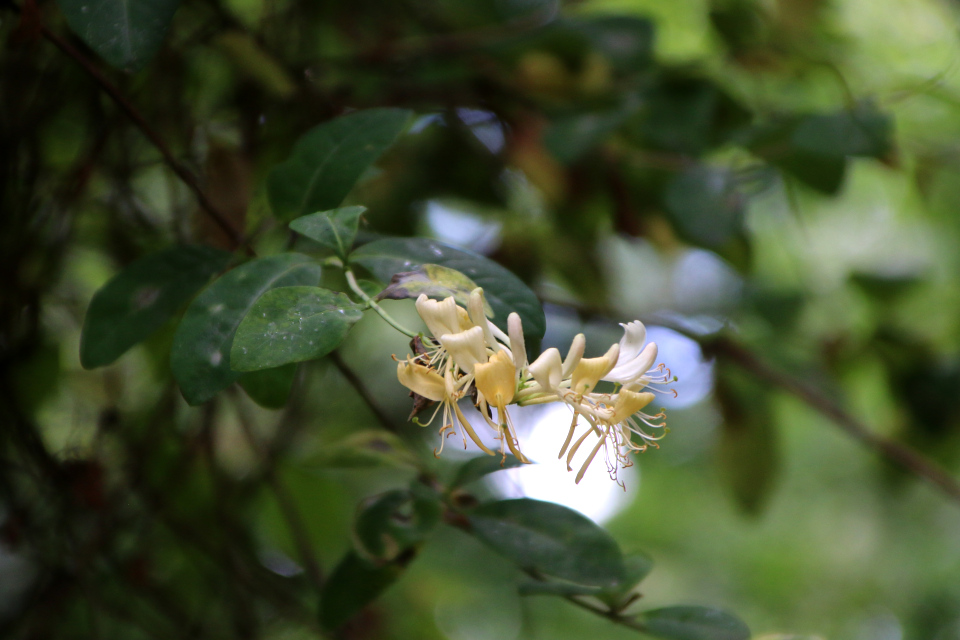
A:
[901,455]
[187,176]
[371,303]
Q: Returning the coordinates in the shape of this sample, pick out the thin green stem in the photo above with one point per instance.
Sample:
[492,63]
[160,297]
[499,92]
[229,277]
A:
[371,303]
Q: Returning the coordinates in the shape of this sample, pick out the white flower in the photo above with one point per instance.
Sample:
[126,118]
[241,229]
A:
[467,353]
[635,359]
[615,418]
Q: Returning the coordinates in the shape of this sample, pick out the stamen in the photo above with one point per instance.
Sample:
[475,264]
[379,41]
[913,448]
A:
[590,458]
[566,443]
[576,445]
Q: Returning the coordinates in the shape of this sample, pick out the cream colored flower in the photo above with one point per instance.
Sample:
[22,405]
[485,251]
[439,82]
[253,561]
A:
[615,418]
[463,352]
[467,355]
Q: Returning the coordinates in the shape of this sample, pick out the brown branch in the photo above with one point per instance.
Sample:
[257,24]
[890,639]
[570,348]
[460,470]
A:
[385,421]
[901,455]
[288,506]
[131,112]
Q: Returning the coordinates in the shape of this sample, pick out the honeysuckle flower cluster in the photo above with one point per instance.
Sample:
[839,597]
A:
[466,355]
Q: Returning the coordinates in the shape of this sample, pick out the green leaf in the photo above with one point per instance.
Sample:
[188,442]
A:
[334,229]
[329,159]
[550,539]
[394,521]
[862,131]
[504,291]
[705,205]
[292,324]
[626,41]
[432,280]
[270,388]
[354,584]
[748,455]
[200,358]
[478,467]
[125,33]
[141,298]
[694,623]
[814,148]
[377,524]
[687,114]
[571,136]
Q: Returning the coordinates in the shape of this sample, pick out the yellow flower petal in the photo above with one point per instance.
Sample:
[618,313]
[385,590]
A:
[421,380]
[589,370]
[628,403]
[496,379]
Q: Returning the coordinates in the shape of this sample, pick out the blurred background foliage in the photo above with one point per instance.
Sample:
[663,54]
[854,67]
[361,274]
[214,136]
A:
[781,176]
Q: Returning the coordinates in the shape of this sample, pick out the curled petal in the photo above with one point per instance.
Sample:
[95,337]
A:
[496,379]
[546,370]
[440,317]
[634,335]
[589,371]
[628,403]
[421,380]
[475,305]
[465,347]
[577,346]
[515,326]
[629,370]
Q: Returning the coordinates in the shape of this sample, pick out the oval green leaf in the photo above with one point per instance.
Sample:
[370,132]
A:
[328,160]
[388,524]
[706,205]
[550,539]
[504,291]
[334,229]
[481,466]
[354,584]
[141,298]
[694,623]
[125,33]
[292,324]
[200,358]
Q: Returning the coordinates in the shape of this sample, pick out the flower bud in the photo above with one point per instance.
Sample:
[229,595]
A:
[517,346]
[546,370]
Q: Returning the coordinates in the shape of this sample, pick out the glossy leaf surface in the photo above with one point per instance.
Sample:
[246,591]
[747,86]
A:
[141,298]
[334,229]
[550,539]
[200,358]
[328,160]
[694,623]
[125,33]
